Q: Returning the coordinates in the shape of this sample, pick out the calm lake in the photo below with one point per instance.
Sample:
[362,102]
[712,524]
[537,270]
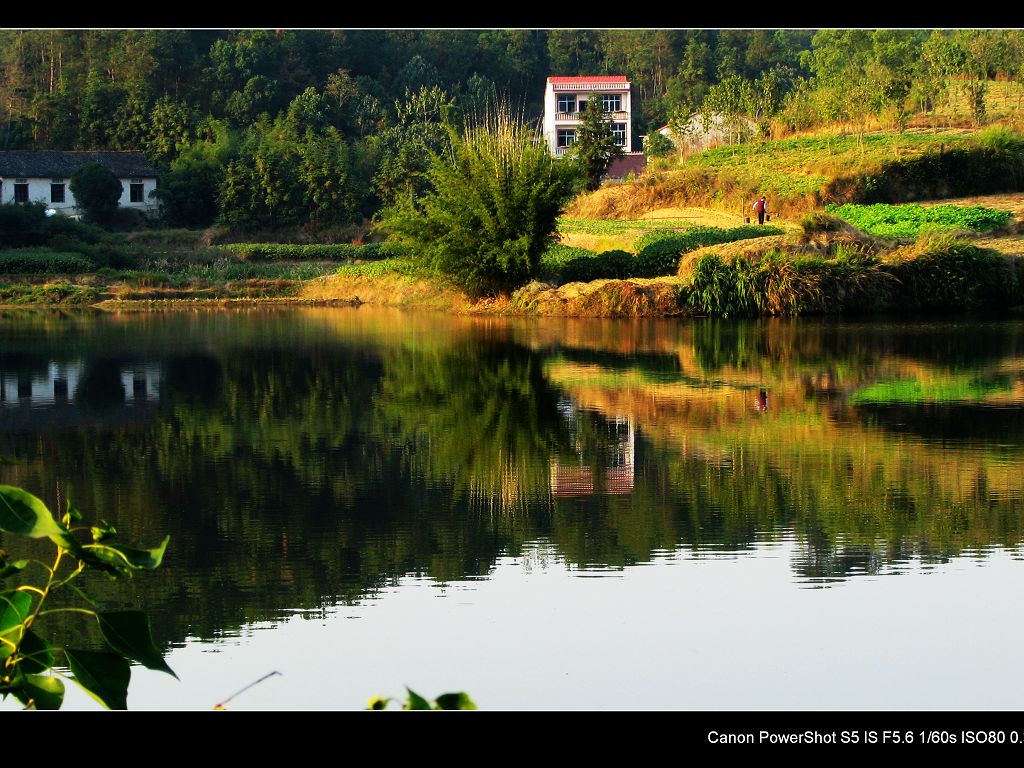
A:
[547,514]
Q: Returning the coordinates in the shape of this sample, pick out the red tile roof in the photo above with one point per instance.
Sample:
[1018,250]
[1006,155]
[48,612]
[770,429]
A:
[588,79]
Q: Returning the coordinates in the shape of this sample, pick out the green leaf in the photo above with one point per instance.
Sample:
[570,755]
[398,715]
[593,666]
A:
[36,653]
[415,701]
[24,514]
[103,531]
[39,691]
[9,569]
[128,633]
[73,515]
[458,700]
[14,609]
[104,676]
[378,703]
[123,557]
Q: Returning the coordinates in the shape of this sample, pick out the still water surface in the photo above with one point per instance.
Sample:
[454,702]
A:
[547,514]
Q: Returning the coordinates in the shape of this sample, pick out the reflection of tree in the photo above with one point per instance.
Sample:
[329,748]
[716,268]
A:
[295,470]
[100,387]
[267,467]
[478,416]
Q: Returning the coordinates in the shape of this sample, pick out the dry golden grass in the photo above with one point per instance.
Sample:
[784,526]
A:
[1012,245]
[655,297]
[689,188]
[690,216]
[752,250]
[1013,201]
[599,243]
[385,291]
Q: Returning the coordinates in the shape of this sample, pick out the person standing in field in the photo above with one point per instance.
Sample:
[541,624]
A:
[760,206]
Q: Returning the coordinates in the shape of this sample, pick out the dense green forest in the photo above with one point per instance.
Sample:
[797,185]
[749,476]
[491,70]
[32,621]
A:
[270,128]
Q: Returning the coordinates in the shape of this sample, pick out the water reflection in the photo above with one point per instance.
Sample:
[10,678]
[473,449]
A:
[301,459]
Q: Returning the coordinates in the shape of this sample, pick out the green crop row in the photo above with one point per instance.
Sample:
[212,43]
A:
[315,252]
[611,227]
[658,253]
[380,268]
[911,220]
[43,261]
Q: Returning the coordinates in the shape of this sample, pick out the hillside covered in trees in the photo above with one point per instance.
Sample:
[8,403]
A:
[271,128]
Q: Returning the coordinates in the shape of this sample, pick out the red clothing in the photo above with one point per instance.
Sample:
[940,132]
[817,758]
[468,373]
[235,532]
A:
[759,206]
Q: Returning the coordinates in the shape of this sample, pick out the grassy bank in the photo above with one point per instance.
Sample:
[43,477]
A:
[897,259]
[805,173]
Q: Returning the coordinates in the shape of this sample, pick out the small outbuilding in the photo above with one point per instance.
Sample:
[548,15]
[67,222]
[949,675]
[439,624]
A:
[44,177]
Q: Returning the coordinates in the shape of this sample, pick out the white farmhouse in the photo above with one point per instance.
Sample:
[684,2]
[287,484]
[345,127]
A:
[701,132]
[566,97]
[44,177]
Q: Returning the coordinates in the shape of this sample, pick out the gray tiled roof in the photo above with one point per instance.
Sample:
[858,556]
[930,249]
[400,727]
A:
[52,164]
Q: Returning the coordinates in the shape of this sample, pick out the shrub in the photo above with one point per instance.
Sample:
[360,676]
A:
[97,192]
[658,145]
[41,261]
[658,252]
[718,289]
[493,207]
[816,221]
[601,266]
[944,272]
[994,164]
[27,224]
[51,293]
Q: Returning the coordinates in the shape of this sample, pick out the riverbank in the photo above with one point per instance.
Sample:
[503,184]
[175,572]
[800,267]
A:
[672,263]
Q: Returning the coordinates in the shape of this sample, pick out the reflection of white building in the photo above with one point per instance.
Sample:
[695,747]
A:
[59,384]
[571,478]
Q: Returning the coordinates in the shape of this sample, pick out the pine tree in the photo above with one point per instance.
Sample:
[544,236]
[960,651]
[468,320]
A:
[595,146]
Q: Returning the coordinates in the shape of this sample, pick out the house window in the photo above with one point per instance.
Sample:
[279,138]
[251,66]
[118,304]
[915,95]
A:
[567,102]
[566,137]
[619,132]
[582,106]
[136,193]
[21,192]
[57,192]
[611,102]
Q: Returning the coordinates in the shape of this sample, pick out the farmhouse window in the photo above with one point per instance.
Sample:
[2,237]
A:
[567,103]
[619,132]
[57,192]
[20,192]
[611,102]
[566,137]
[135,193]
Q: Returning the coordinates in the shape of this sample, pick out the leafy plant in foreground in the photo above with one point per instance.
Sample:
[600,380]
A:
[28,663]
[413,700]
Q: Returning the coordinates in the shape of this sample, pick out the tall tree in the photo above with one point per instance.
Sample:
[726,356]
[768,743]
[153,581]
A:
[595,146]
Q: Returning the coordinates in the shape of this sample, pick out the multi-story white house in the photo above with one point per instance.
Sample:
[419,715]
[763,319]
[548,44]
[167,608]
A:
[566,97]
[44,177]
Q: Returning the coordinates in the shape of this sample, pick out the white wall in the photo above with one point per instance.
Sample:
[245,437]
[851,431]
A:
[549,117]
[39,192]
[551,109]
